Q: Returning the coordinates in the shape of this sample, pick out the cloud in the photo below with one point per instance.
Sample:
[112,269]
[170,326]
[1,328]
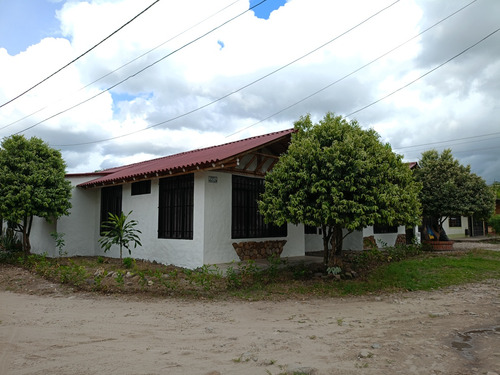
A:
[190,75]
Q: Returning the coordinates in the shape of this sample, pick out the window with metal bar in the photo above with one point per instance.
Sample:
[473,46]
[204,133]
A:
[111,202]
[455,221]
[141,187]
[246,221]
[175,213]
[379,228]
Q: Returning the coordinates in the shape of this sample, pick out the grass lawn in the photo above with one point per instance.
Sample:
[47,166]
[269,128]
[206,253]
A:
[374,271]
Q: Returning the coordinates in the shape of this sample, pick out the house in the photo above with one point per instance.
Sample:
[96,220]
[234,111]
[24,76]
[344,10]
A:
[193,208]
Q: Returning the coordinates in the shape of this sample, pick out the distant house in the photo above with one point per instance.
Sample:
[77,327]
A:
[191,207]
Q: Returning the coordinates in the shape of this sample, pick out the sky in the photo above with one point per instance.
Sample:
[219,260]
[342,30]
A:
[195,73]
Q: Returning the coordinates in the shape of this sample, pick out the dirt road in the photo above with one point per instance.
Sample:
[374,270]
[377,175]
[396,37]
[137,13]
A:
[451,331]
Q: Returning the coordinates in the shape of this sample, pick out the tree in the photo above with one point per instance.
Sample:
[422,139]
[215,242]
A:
[449,188]
[32,184]
[340,178]
[120,231]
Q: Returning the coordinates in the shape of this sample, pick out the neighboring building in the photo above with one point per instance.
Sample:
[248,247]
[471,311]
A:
[191,207]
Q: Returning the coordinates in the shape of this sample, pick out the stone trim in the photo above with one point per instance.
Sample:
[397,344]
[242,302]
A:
[258,250]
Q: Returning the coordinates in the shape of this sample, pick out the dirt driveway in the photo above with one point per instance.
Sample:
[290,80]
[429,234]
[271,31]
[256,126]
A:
[451,331]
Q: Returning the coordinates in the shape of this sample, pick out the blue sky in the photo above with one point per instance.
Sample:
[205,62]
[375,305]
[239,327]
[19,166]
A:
[270,67]
[26,22]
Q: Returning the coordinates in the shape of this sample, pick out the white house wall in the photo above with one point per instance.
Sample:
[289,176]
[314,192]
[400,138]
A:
[354,241]
[454,232]
[384,239]
[218,246]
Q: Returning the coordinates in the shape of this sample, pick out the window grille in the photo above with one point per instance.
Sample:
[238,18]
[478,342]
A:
[379,229]
[310,229]
[111,202]
[175,214]
[141,187]
[246,221]
[455,221]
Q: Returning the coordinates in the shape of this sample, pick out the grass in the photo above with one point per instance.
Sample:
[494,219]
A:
[392,270]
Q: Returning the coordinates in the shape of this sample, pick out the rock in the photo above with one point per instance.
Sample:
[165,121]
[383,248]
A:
[301,370]
[375,346]
[150,282]
[365,354]
[248,356]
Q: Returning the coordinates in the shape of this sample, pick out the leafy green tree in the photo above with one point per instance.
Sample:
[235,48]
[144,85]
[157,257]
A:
[340,178]
[118,230]
[32,184]
[494,222]
[450,188]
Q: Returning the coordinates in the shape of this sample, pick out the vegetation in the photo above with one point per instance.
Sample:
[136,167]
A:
[340,178]
[449,189]
[118,230]
[404,268]
[32,184]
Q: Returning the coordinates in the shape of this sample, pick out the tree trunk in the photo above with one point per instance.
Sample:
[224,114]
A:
[26,229]
[335,258]
[327,233]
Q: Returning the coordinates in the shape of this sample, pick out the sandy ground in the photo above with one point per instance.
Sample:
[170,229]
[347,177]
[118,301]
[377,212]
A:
[451,331]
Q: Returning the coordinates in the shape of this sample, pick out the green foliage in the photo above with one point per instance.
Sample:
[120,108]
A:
[450,188]
[9,241]
[32,183]
[60,243]
[335,176]
[118,230]
[128,262]
[495,223]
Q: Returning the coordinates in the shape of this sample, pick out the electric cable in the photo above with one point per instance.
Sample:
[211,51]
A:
[143,69]
[80,56]
[124,65]
[222,97]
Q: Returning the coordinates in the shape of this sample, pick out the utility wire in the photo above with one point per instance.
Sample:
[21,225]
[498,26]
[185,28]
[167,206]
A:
[77,58]
[450,140]
[423,75]
[226,95]
[143,69]
[350,74]
[124,65]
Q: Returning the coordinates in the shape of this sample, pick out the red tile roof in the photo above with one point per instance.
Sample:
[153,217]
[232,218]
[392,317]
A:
[201,158]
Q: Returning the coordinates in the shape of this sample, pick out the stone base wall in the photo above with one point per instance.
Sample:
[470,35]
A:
[401,239]
[440,245]
[369,243]
[258,250]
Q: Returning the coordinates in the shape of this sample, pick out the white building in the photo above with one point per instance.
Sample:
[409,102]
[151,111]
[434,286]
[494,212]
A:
[191,207]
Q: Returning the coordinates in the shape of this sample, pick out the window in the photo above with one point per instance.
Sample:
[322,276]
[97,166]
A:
[175,214]
[455,221]
[111,201]
[379,229]
[246,221]
[310,229]
[141,187]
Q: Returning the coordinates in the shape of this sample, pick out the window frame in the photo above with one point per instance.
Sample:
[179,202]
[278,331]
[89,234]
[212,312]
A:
[385,229]
[111,202]
[140,188]
[176,207]
[246,220]
[454,220]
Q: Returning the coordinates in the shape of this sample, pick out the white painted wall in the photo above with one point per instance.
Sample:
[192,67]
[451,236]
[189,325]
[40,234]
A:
[383,239]
[354,241]
[218,246]
[454,232]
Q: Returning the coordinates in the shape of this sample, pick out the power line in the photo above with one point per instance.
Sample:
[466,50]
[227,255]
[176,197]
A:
[143,69]
[78,57]
[450,140]
[229,94]
[351,73]
[423,75]
[126,64]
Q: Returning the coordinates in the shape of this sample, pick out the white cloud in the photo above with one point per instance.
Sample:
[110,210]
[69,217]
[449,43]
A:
[457,100]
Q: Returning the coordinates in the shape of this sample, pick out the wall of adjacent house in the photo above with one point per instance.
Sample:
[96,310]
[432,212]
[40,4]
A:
[456,232]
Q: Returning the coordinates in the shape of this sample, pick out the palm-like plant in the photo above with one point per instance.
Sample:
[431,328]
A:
[118,230]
